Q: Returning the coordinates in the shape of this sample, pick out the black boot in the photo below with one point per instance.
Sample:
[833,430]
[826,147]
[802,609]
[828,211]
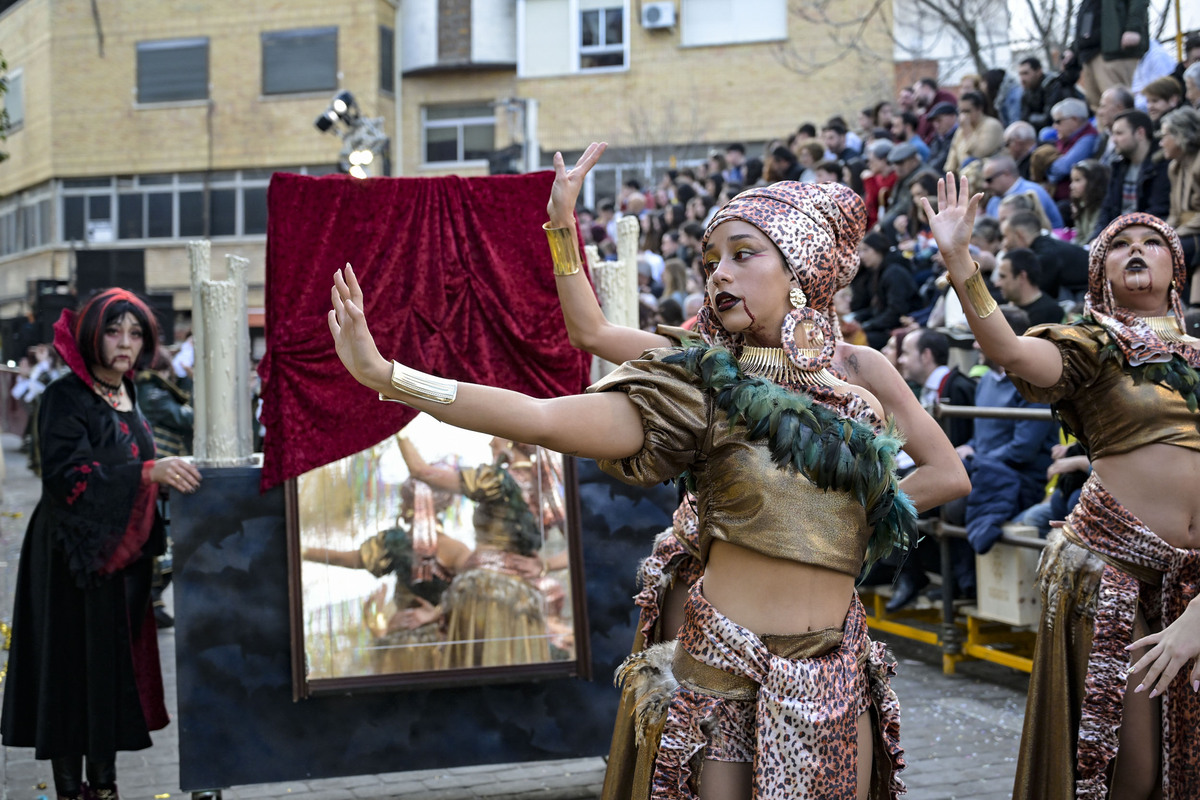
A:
[908,587]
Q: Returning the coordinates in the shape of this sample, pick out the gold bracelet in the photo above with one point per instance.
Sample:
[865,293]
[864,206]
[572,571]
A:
[415,383]
[564,249]
[978,296]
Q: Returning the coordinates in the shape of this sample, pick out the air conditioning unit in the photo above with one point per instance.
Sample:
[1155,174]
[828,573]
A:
[656,16]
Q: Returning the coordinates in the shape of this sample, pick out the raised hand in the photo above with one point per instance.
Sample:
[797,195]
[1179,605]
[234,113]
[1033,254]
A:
[351,338]
[567,184]
[954,221]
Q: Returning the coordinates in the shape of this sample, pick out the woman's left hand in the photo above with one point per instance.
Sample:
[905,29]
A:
[351,338]
[1173,647]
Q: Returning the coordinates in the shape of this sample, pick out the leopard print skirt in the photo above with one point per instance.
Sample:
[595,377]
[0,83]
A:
[788,704]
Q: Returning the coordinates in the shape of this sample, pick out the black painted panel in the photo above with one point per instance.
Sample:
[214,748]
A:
[237,722]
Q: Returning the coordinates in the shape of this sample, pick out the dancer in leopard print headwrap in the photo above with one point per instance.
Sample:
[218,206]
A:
[1110,710]
[667,574]
[780,692]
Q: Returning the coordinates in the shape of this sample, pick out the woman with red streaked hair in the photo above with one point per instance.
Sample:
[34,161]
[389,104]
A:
[83,672]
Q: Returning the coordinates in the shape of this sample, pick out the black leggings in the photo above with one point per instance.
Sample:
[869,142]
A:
[68,774]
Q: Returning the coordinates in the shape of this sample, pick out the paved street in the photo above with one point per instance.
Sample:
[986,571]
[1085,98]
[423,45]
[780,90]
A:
[960,732]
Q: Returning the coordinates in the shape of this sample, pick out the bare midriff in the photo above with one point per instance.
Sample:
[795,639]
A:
[1160,485]
[771,595]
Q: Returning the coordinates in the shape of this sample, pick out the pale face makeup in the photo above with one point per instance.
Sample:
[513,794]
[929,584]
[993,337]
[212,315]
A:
[120,348]
[1139,267]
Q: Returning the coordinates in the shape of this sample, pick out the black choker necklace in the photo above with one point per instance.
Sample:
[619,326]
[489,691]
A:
[112,387]
[110,392]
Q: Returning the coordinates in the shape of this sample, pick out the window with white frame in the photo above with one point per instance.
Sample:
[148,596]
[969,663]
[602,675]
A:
[565,37]
[601,35]
[299,61]
[172,70]
[14,99]
[713,22]
[455,134]
[25,220]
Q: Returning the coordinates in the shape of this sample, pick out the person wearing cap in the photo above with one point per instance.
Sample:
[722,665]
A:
[928,97]
[943,118]
[807,711]
[978,135]
[906,162]
[878,179]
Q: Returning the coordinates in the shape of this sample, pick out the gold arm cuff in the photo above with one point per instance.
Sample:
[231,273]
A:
[978,295]
[564,249]
[420,385]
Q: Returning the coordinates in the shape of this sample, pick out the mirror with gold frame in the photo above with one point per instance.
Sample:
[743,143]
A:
[435,556]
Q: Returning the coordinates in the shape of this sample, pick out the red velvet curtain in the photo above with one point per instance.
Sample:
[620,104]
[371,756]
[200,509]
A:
[457,281]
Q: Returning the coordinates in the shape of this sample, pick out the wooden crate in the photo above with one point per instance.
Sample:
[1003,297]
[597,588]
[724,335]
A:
[1007,581]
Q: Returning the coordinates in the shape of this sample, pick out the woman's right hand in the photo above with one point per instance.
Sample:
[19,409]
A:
[568,183]
[953,224]
[176,473]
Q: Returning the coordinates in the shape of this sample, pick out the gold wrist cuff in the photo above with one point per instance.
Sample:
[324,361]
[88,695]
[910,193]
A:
[978,296]
[564,249]
[420,385]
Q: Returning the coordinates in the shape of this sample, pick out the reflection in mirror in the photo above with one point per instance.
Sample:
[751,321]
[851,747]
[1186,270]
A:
[437,549]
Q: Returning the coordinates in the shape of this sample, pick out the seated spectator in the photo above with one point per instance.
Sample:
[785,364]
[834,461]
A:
[1089,184]
[892,292]
[905,160]
[1027,201]
[675,282]
[1064,265]
[1191,84]
[809,153]
[1114,101]
[1076,141]
[1007,459]
[923,360]
[1000,179]
[913,236]
[833,135]
[943,121]
[904,129]
[1191,55]
[1163,96]
[783,165]
[986,235]
[1017,276]
[1139,181]
[1043,90]
[878,180]
[928,97]
[1067,473]
[1019,140]
[1181,144]
[828,172]
[735,163]
[978,136]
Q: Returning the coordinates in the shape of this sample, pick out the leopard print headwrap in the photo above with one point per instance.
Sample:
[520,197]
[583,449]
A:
[1137,341]
[817,228]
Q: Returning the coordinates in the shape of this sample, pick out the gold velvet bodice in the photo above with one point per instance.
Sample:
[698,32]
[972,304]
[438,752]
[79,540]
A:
[1103,405]
[741,496]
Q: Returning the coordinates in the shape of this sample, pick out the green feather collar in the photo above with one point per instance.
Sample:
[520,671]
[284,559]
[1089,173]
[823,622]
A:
[831,451]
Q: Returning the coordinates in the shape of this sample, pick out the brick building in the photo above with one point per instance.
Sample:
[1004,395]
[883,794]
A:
[141,124]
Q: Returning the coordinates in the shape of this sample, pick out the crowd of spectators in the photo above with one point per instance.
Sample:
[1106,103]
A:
[1058,155]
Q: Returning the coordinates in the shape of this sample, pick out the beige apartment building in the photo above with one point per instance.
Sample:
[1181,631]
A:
[138,125]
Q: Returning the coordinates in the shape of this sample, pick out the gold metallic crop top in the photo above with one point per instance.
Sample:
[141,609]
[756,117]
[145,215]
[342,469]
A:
[741,496]
[1103,405]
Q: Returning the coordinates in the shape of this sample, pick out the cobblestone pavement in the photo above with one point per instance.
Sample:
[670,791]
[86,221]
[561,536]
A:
[960,732]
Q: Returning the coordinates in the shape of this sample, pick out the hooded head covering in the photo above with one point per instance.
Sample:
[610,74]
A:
[1133,335]
[817,228]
